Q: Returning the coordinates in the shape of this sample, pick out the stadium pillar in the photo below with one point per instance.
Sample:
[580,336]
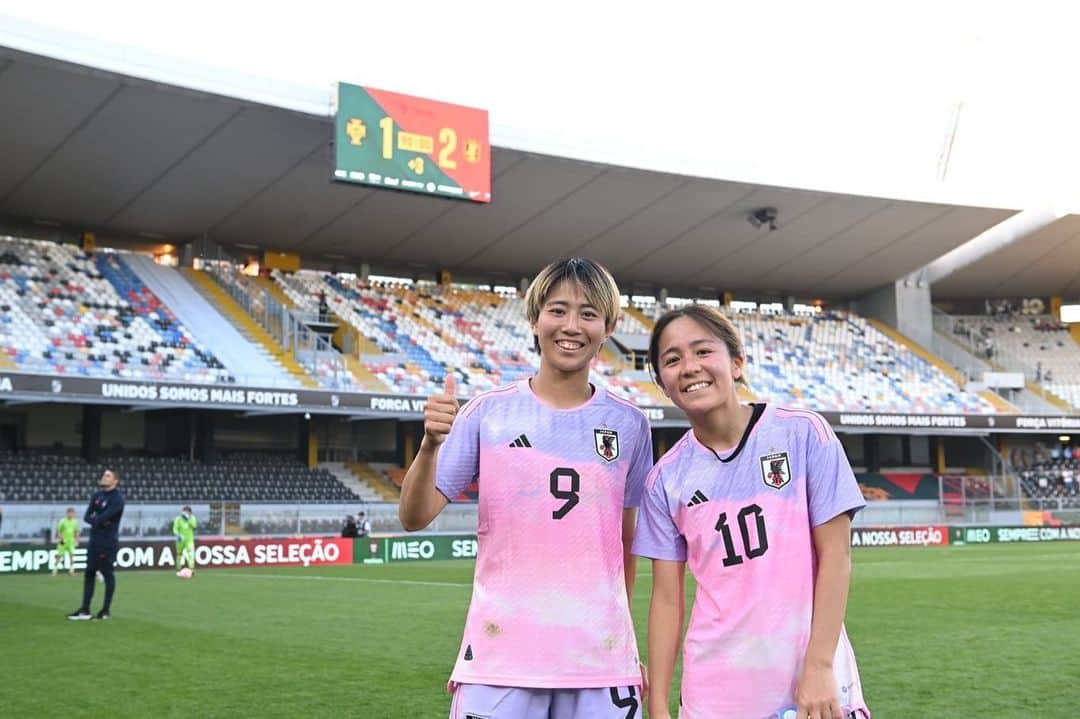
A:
[408,441]
[205,449]
[905,306]
[870,453]
[937,450]
[91,433]
[306,439]
[660,443]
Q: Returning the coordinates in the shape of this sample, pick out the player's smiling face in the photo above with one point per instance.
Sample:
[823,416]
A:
[697,371]
[570,329]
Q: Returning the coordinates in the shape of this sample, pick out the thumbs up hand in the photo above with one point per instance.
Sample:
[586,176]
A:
[440,411]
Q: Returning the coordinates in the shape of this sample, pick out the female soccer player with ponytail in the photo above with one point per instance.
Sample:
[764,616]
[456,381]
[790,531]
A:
[758,500]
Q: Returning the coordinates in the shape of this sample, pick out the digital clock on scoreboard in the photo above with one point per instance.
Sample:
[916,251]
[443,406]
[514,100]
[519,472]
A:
[409,143]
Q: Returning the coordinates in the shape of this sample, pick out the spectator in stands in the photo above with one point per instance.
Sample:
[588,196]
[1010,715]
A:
[324,308]
[596,451]
[363,525]
[103,514]
[67,533]
[349,529]
[785,495]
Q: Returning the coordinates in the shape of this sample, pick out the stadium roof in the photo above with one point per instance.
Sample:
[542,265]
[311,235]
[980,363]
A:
[91,149]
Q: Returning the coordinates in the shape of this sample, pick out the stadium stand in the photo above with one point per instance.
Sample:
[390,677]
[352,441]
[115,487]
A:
[68,313]
[30,477]
[71,313]
[839,361]
[425,331]
[220,282]
[1054,479]
[1037,344]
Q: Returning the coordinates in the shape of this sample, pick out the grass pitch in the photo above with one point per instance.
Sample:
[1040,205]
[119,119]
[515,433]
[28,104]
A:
[991,632]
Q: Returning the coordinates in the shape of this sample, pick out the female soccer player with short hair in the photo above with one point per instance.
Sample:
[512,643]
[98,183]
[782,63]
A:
[560,465]
[758,499]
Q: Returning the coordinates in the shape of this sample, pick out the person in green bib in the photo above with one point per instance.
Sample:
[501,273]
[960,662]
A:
[67,537]
[184,529]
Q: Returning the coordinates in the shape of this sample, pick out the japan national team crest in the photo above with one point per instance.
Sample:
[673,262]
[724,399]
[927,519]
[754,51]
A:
[607,444]
[775,470]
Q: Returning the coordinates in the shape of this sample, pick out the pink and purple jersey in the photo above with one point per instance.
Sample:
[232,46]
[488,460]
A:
[743,520]
[549,603]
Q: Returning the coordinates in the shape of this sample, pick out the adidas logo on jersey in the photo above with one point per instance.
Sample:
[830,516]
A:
[468,653]
[698,498]
[521,441]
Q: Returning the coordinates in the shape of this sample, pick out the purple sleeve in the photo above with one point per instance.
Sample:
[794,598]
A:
[640,464]
[657,537]
[831,489]
[458,461]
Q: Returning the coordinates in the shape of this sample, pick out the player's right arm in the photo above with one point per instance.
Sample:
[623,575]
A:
[421,501]
[665,628]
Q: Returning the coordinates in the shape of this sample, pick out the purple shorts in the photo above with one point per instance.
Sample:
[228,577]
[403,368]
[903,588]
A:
[477,701]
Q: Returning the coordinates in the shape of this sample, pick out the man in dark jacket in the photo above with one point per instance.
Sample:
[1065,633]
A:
[103,515]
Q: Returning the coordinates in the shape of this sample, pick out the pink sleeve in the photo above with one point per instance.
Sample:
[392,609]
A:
[657,536]
[458,462]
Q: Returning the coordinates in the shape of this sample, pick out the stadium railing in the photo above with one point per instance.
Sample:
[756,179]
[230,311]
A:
[36,522]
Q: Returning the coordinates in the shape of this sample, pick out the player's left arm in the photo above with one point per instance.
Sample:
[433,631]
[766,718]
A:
[816,694]
[640,465]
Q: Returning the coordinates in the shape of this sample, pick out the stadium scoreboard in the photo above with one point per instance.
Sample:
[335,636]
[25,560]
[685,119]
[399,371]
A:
[386,139]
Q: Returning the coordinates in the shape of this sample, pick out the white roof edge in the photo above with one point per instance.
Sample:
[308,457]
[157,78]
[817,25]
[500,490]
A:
[30,37]
[19,34]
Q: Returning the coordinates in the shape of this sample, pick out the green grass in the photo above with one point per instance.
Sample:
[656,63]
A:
[989,632]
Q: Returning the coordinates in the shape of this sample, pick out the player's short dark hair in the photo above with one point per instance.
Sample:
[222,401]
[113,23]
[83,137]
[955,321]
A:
[594,280]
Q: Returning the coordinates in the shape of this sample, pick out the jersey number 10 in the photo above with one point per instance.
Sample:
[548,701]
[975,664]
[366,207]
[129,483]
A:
[749,549]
